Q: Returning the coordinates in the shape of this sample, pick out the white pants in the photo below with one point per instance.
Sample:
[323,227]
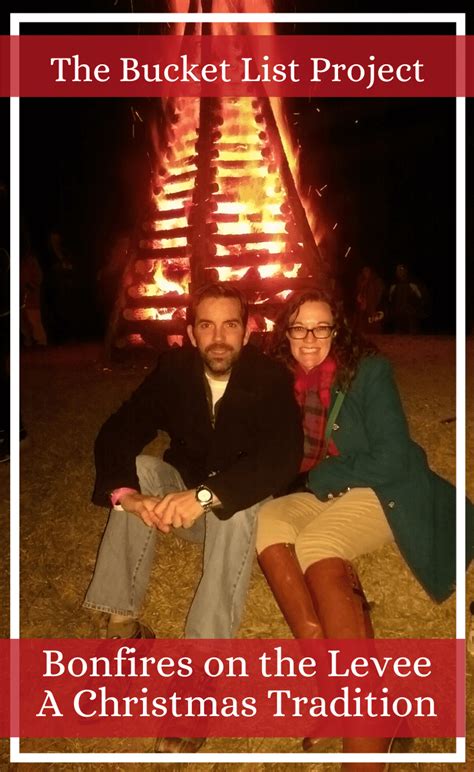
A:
[347,526]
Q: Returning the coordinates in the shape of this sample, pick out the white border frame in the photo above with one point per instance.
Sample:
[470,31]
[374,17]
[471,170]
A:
[459,19]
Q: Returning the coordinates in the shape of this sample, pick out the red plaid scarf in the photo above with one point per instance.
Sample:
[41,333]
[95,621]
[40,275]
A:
[313,394]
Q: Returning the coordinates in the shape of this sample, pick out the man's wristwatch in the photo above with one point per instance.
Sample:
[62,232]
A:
[204,496]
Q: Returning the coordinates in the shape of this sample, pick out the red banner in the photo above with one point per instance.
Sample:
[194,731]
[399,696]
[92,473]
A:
[251,65]
[233,688]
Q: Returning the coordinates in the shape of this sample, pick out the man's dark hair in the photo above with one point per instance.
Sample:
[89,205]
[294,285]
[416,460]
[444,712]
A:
[216,290]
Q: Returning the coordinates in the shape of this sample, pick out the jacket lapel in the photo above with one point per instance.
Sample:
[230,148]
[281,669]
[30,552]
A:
[197,393]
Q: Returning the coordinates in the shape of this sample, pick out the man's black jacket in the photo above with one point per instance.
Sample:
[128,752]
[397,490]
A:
[254,450]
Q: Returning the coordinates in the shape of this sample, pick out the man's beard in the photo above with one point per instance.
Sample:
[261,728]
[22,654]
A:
[220,358]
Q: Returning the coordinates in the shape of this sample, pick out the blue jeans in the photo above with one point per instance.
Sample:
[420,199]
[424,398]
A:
[127,550]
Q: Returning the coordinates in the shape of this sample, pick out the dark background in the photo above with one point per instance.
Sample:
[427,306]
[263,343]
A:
[389,167]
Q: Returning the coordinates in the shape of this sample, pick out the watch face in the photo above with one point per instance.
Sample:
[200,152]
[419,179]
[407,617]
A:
[204,495]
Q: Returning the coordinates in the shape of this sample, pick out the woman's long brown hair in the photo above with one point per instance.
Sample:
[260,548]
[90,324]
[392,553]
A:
[348,347]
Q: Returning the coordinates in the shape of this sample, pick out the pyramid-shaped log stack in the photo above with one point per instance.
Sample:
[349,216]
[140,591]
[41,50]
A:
[225,207]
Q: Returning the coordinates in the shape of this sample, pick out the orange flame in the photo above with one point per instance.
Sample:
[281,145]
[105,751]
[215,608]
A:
[249,217]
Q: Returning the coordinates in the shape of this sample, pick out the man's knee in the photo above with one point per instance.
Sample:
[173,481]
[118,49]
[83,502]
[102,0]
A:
[156,477]
[233,534]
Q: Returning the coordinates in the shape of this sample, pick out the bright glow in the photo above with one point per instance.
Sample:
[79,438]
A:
[168,225]
[230,274]
[273,247]
[166,205]
[243,155]
[165,285]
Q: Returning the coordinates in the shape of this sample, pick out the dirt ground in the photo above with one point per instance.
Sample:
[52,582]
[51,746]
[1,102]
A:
[66,394]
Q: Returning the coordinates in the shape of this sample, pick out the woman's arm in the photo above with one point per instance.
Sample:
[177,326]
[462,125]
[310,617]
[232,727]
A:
[384,424]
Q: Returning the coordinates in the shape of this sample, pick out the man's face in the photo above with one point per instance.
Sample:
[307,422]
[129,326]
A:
[218,334]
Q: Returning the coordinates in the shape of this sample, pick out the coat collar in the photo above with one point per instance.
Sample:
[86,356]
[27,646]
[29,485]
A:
[239,391]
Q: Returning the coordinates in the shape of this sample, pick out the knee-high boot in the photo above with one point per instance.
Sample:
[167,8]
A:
[338,599]
[343,611]
[285,578]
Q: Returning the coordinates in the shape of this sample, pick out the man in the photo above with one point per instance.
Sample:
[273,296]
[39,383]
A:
[235,440]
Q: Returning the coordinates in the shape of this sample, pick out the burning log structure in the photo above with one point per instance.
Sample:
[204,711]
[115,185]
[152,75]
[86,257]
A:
[225,207]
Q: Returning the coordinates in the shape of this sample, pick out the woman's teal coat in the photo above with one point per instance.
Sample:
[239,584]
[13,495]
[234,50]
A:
[376,452]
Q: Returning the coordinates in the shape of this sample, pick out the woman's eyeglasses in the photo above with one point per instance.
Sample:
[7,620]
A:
[297,332]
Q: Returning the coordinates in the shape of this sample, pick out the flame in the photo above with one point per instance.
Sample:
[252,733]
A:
[231,274]
[266,271]
[251,222]
[167,286]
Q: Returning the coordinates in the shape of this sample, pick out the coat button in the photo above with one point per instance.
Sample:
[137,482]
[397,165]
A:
[391,504]
[348,489]
[330,496]
[335,427]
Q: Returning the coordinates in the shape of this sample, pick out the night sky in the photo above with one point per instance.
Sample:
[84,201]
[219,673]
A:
[389,167]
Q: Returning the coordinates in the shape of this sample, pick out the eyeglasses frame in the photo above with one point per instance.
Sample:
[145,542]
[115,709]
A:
[311,330]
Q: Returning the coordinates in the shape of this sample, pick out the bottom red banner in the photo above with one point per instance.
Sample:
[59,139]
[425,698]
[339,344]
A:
[232,688]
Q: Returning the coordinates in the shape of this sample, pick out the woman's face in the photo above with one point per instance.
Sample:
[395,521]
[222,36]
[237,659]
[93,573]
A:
[310,351]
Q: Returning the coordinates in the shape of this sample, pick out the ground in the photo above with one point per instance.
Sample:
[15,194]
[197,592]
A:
[66,393]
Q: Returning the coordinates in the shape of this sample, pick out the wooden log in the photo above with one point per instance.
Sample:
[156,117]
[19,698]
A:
[254,258]
[159,253]
[168,214]
[226,239]
[241,164]
[225,181]
[250,216]
[313,256]
[270,286]
[184,194]
[148,266]
[224,145]
[201,244]
[181,177]
[171,233]
[158,301]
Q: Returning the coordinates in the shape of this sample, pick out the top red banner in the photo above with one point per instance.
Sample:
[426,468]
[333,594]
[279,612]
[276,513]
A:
[233,66]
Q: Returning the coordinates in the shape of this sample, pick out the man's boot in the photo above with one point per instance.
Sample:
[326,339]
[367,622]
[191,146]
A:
[285,578]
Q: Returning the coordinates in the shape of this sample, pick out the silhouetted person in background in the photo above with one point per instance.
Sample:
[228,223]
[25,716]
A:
[110,274]
[62,297]
[31,279]
[405,302]
[369,293]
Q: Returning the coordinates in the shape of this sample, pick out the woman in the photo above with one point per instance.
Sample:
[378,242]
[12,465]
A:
[365,483]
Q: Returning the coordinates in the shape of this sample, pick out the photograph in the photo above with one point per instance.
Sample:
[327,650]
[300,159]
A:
[239,324]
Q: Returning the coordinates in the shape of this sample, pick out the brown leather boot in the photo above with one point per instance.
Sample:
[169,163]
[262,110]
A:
[338,599]
[365,745]
[343,611]
[285,577]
